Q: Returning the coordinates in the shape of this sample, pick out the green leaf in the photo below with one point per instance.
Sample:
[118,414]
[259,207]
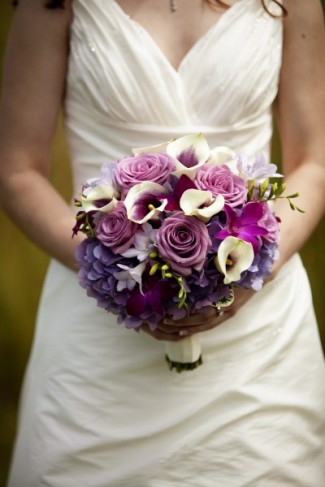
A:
[294,195]
[292,206]
[300,210]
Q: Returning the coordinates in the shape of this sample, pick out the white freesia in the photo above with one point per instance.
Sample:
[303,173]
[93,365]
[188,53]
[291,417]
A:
[192,148]
[258,169]
[201,204]
[100,192]
[129,276]
[234,256]
[143,243]
[137,202]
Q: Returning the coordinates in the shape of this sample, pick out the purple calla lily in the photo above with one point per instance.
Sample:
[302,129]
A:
[189,153]
[143,202]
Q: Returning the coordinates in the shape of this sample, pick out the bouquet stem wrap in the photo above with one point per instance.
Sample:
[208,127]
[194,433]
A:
[184,354]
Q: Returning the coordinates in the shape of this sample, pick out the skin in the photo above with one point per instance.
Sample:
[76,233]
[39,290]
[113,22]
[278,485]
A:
[37,53]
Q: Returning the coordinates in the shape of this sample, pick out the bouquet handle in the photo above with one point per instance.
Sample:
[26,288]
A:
[184,354]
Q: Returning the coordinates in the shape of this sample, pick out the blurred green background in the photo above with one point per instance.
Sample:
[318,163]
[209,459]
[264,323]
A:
[22,271]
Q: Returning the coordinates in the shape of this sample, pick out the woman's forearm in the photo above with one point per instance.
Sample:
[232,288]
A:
[32,91]
[301,121]
[41,213]
[309,181]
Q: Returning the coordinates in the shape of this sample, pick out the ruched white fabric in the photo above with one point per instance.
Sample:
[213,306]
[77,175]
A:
[99,406]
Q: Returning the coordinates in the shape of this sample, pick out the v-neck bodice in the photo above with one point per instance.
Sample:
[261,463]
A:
[195,45]
[122,91]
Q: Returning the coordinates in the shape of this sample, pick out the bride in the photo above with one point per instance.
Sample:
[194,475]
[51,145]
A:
[99,407]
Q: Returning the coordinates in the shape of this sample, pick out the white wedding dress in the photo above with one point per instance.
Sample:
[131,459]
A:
[99,406]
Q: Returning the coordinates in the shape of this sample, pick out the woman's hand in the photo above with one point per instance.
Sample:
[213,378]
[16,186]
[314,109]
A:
[171,330]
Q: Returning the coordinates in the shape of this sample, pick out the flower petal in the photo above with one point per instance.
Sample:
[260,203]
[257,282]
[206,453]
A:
[201,204]
[133,274]
[234,256]
[138,199]
[136,304]
[251,213]
[189,153]
[221,155]
[93,196]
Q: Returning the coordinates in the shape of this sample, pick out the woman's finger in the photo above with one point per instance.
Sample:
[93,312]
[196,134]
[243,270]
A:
[194,319]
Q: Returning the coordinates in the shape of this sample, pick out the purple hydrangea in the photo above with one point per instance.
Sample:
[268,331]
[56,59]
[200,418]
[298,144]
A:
[261,267]
[97,266]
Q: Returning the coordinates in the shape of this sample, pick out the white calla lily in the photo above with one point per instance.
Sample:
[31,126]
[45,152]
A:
[101,192]
[141,202]
[189,153]
[201,204]
[223,155]
[234,256]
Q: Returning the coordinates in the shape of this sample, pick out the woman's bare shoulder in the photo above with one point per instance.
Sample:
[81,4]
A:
[34,74]
[301,97]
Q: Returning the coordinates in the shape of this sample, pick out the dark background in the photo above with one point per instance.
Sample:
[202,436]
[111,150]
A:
[22,269]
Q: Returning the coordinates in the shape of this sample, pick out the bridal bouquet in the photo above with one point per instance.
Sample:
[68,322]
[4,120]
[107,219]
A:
[172,230]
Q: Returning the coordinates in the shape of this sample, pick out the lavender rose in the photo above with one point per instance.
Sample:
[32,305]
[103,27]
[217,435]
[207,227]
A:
[115,231]
[133,170]
[183,242]
[221,180]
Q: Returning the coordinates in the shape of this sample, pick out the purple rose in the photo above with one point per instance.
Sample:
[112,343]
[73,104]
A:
[271,223]
[221,180]
[115,231]
[183,242]
[133,170]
